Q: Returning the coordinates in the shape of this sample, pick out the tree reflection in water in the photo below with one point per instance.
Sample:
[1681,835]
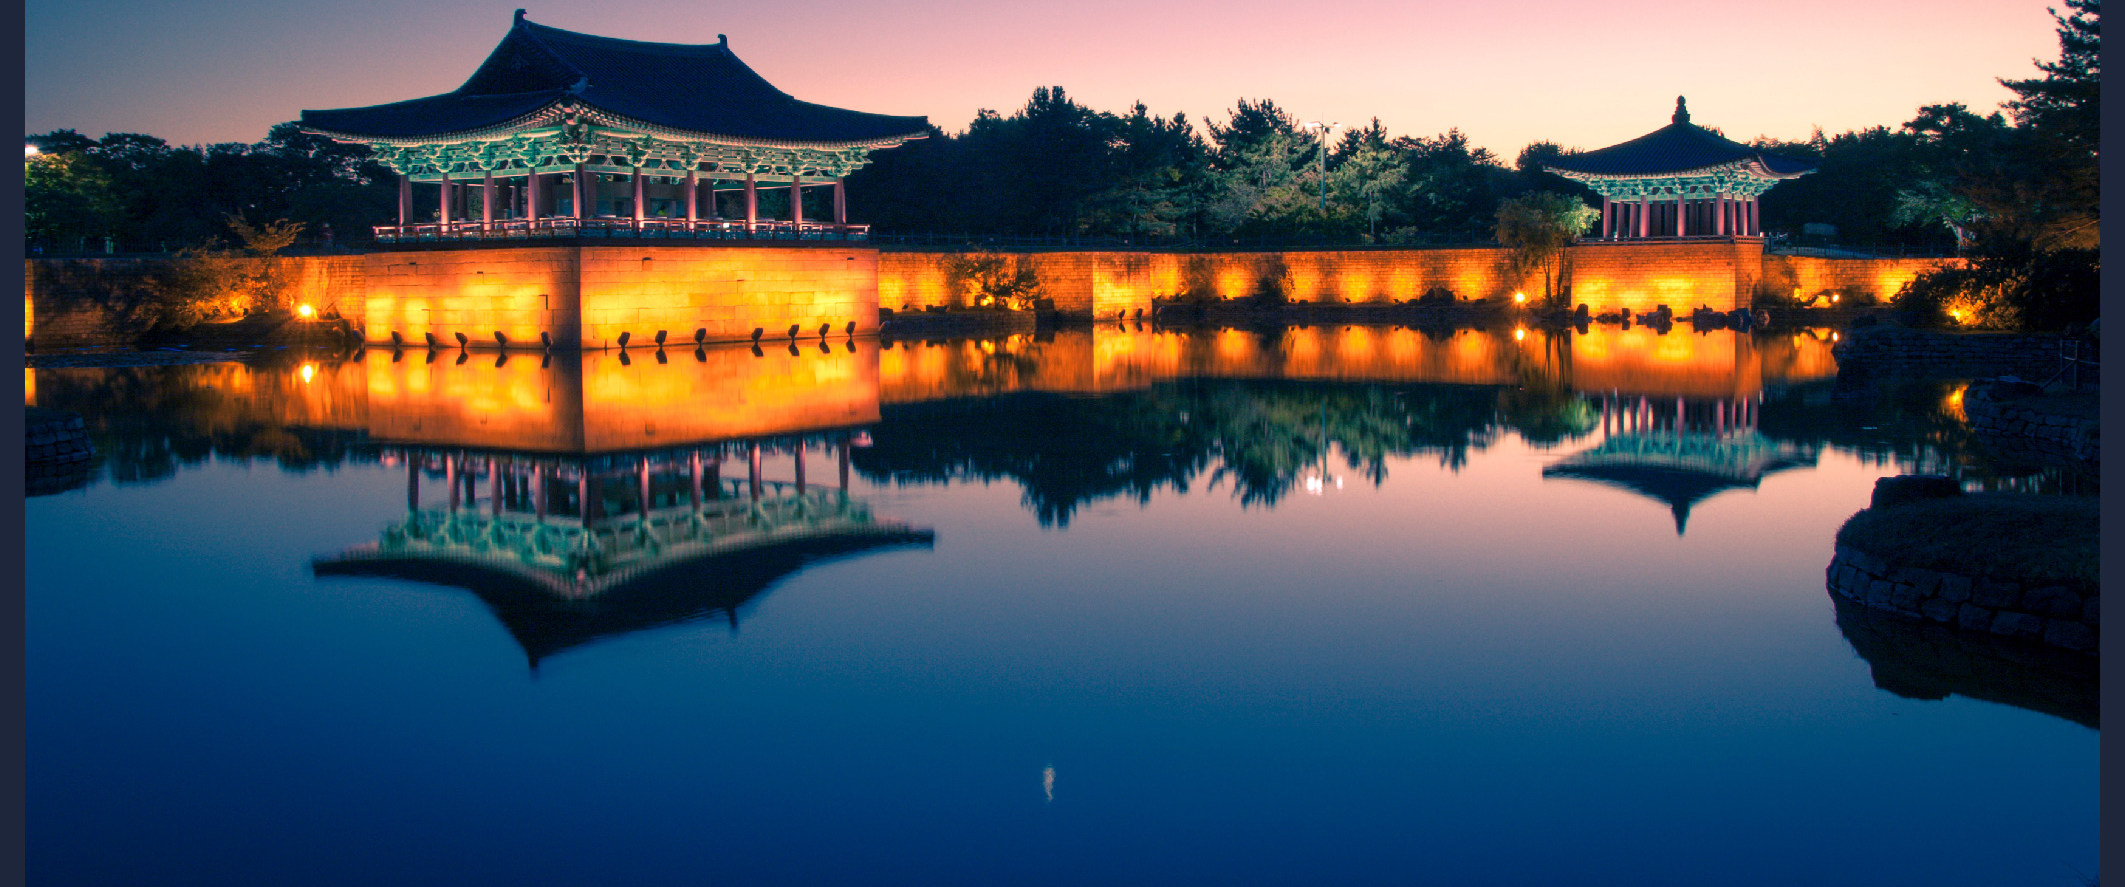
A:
[1261,436]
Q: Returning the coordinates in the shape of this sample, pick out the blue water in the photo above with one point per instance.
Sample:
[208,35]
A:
[1463,674]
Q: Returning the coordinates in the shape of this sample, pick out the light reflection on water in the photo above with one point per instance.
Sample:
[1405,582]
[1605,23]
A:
[1522,643]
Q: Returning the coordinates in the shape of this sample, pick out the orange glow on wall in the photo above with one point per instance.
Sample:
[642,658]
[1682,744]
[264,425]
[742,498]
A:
[29,387]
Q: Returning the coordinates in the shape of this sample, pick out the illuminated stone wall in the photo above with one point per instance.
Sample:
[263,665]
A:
[1719,274]
[1863,280]
[591,295]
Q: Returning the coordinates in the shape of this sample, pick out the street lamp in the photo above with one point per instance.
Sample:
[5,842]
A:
[1324,128]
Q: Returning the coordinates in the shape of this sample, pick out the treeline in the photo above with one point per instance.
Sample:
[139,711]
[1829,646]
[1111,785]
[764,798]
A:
[142,194]
[1055,167]
[2022,179]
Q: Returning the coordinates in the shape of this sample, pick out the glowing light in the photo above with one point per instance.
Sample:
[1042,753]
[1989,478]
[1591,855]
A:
[306,311]
[309,372]
[29,150]
[1834,297]
[1520,334]
[1833,336]
[1520,298]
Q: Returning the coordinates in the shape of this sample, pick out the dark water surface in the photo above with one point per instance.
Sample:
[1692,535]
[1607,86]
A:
[1331,606]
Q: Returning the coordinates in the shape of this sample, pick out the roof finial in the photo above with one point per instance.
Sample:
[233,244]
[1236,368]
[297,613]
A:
[1682,114]
[520,15]
[722,39]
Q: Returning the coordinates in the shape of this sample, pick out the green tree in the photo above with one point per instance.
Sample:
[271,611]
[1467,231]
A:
[68,200]
[1538,227]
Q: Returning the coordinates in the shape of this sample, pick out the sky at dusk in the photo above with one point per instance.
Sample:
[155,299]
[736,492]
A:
[1582,74]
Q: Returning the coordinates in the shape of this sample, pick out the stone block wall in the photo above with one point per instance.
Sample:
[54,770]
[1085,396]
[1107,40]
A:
[1858,281]
[1899,351]
[2008,421]
[728,291]
[518,292]
[2058,615]
[1683,275]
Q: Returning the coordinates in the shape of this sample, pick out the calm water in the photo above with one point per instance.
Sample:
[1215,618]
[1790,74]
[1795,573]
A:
[1332,606]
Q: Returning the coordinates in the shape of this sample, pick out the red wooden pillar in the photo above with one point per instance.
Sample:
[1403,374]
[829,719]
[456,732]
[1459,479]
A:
[494,488]
[450,479]
[583,495]
[752,204]
[444,210]
[694,473]
[642,473]
[637,177]
[531,198]
[413,484]
[405,199]
[1608,218]
[800,467]
[1645,215]
[844,463]
[1719,216]
[1681,213]
[1755,217]
[487,203]
[693,196]
[752,456]
[581,190]
[538,492]
[841,202]
[796,198]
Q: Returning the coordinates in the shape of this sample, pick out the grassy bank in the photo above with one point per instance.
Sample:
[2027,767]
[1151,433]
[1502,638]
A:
[2029,537]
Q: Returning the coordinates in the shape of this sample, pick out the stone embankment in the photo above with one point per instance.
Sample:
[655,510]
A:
[2019,418]
[1898,351]
[58,449]
[2058,614]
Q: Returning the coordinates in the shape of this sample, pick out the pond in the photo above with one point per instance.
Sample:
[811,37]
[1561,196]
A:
[1318,605]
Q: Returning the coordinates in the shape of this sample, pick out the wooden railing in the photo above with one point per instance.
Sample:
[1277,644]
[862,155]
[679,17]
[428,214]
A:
[647,229]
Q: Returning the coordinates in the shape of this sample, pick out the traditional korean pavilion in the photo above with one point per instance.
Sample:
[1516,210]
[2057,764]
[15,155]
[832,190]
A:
[566,134]
[1680,180]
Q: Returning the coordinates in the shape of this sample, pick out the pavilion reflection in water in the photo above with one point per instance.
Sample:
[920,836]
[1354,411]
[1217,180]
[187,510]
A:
[562,509]
[1679,415]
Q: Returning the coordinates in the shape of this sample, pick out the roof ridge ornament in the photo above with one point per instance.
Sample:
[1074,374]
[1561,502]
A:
[1682,113]
[519,16]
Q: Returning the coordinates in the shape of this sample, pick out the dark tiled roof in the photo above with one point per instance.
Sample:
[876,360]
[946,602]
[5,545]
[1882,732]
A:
[693,88]
[1677,147]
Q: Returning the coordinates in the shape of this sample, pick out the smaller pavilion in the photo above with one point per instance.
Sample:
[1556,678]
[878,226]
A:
[1680,180]
[567,134]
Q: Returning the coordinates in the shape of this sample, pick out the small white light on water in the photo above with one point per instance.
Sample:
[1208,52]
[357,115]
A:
[1047,782]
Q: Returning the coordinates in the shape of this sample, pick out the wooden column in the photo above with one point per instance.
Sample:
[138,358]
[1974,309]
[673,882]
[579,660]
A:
[1719,214]
[1682,213]
[487,203]
[405,199]
[799,453]
[642,492]
[844,449]
[796,199]
[580,190]
[1755,217]
[538,493]
[694,463]
[753,471]
[444,207]
[1608,218]
[638,197]
[693,196]
[752,204]
[494,488]
[841,201]
[413,483]
[531,198]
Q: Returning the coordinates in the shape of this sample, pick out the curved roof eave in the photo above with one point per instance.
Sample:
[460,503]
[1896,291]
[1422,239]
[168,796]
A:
[563,106]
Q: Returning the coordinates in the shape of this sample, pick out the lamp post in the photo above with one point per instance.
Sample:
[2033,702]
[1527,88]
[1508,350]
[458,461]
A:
[1324,128]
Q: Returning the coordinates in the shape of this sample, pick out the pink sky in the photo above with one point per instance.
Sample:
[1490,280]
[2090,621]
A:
[1583,74]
